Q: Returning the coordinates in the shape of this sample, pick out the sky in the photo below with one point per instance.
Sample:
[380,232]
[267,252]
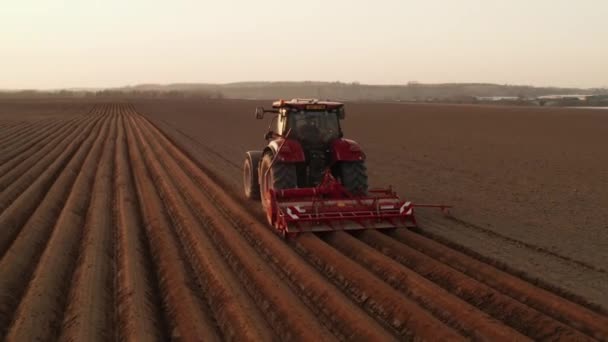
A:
[50,44]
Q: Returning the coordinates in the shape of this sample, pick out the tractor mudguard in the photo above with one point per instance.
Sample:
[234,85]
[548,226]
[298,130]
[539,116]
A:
[290,150]
[346,150]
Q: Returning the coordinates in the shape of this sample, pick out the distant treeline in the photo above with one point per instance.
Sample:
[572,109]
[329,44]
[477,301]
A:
[111,93]
[413,91]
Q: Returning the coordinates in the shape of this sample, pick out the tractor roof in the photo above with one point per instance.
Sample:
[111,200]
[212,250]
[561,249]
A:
[307,104]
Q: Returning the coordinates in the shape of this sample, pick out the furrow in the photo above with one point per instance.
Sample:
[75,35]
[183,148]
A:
[5,126]
[9,126]
[33,155]
[20,205]
[514,313]
[346,320]
[18,145]
[579,317]
[40,312]
[137,314]
[184,308]
[7,123]
[19,261]
[450,309]
[88,315]
[377,297]
[26,148]
[286,314]
[233,309]
[35,126]
[111,232]
[17,131]
[14,183]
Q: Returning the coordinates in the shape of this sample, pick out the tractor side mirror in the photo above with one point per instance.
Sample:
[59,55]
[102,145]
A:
[341,113]
[259,113]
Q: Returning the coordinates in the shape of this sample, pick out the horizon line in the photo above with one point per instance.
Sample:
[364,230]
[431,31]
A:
[409,83]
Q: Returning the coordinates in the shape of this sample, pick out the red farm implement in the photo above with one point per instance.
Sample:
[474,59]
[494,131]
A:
[310,179]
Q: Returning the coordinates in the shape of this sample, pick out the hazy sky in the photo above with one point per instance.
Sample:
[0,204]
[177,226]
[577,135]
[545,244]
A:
[83,43]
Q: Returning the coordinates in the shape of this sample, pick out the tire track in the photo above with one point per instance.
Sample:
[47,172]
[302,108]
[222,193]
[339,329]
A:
[516,242]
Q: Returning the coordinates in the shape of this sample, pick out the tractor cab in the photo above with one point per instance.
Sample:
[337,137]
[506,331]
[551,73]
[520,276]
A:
[307,128]
[309,121]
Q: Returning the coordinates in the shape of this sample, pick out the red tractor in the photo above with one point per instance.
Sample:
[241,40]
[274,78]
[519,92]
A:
[310,178]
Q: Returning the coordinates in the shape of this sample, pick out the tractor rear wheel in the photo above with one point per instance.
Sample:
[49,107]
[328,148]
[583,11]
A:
[354,177]
[278,176]
[250,174]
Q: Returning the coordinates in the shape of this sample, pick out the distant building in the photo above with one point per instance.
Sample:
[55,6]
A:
[573,100]
[497,98]
[563,97]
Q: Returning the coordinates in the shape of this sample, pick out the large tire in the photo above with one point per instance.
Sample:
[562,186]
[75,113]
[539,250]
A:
[354,177]
[251,186]
[280,176]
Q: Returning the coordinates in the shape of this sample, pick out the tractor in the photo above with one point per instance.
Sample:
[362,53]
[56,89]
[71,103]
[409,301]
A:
[309,178]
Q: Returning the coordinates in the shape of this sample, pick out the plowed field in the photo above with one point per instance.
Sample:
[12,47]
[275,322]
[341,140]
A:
[111,229]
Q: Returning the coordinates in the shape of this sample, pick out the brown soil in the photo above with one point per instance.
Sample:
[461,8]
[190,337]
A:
[155,244]
[527,183]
